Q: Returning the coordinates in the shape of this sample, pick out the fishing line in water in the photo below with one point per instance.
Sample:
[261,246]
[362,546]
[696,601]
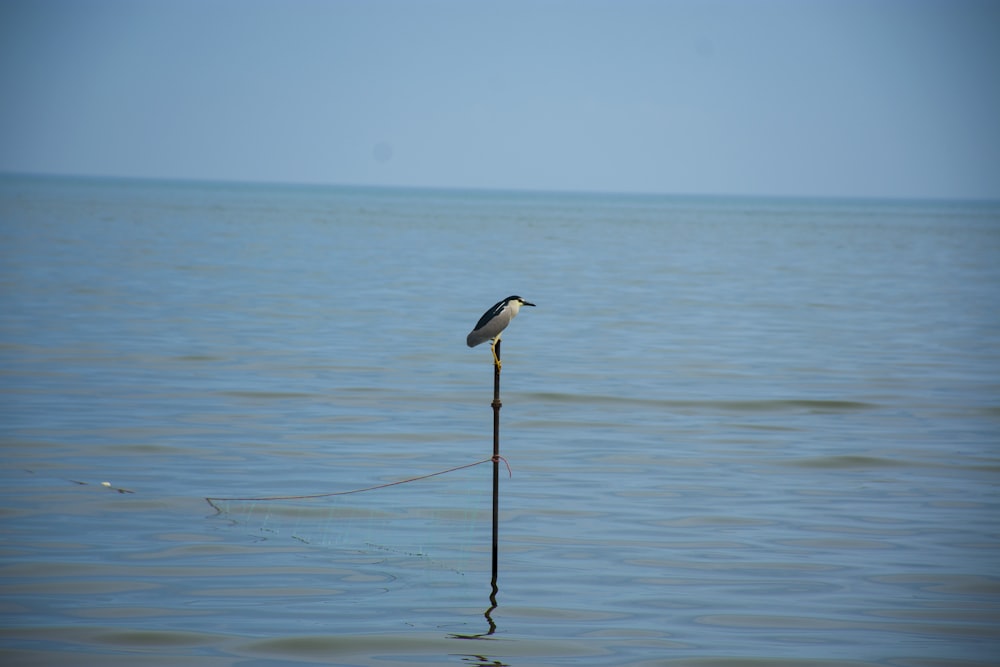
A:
[212,500]
[408,531]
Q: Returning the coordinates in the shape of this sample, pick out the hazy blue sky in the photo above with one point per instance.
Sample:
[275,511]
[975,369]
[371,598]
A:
[809,97]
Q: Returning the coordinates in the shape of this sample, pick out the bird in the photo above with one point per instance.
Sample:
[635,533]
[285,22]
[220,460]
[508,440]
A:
[494,321]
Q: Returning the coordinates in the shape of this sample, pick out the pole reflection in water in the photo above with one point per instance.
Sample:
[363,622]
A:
[493,605]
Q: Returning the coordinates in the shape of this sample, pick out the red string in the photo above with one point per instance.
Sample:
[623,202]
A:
[497,458]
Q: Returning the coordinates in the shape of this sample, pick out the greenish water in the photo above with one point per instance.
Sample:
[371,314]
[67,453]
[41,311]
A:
[741,432]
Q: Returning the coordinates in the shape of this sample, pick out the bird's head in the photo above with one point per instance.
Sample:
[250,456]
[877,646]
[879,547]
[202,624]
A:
[515,302]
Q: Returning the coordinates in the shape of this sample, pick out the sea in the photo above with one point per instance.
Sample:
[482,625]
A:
[240,426]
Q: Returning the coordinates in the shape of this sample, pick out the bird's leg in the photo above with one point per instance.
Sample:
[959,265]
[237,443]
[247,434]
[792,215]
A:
[493,349]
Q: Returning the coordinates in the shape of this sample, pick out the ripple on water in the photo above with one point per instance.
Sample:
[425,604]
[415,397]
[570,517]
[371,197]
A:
[844,462]
[715,406]
[416,648]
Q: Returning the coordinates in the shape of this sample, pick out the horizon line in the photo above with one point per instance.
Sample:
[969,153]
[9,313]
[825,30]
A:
[233,182]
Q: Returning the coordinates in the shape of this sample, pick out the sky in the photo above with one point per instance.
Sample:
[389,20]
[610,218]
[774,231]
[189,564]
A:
[830,98]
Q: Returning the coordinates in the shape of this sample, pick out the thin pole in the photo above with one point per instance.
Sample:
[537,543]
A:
[496,466]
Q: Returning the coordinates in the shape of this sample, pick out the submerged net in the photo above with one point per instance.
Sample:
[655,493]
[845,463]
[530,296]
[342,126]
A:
[414,521]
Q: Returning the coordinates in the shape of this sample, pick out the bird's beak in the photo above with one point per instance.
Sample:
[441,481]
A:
[525,303]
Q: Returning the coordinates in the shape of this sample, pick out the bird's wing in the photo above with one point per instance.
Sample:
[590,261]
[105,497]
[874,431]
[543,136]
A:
[489,314]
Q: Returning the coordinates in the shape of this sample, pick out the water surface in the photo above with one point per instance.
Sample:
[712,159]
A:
[740,431]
